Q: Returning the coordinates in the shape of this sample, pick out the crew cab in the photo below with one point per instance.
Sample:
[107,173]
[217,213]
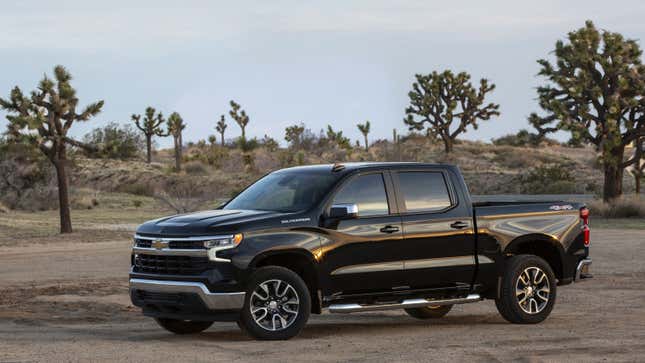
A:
[351,238]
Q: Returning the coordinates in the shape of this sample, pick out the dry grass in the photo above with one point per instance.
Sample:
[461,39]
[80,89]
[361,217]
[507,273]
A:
[625,207]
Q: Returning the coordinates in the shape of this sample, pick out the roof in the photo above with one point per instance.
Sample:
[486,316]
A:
[350,166]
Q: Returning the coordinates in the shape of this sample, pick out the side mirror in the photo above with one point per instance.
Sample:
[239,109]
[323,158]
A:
[343,211]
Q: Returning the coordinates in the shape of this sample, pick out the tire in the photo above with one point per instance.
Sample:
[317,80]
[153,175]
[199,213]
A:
[277,304]
[536,279]
[429,312]
[183,326]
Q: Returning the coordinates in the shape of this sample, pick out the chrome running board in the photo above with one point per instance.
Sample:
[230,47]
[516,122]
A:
[405,304]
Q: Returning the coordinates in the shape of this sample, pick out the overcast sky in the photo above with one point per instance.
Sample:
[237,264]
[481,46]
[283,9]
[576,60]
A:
[327,62]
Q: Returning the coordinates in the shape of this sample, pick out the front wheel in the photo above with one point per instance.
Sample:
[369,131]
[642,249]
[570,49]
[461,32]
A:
[528,290]
[183,326]
[429,312]
[277,304]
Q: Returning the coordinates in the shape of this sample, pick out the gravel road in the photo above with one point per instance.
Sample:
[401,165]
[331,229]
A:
[68,302]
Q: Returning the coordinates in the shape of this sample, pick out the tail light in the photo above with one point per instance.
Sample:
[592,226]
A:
[584,215]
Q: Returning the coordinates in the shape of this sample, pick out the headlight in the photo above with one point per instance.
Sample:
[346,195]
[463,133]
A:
[224,242]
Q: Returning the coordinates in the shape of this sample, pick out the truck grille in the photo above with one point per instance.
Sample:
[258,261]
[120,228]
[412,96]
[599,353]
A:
[184,245]
[170,265]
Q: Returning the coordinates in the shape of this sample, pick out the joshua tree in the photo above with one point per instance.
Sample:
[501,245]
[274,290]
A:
[293,135]
[337,138]
[43,120]
[364,129]
[175,127]
[150,127]
[221,127]
[240,117]
[440,98]
[596,91]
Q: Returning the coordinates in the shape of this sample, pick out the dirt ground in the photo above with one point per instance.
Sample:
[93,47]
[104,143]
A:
[67,301]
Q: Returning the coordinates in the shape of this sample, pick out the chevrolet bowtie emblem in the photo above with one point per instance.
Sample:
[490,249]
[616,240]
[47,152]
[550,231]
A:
[159,244]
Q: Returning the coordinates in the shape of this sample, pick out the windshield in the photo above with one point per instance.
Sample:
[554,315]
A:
[284,192]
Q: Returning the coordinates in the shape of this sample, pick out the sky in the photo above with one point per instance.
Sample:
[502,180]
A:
[286,62]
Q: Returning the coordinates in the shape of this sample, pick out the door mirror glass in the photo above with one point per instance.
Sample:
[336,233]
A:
[343,211]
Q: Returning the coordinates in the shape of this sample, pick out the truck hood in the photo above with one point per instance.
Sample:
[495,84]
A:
[207,222]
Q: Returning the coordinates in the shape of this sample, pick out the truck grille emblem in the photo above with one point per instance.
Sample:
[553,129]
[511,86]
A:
[159,244]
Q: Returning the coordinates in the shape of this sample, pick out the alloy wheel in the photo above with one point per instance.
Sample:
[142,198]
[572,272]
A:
[274,305]
[532,290]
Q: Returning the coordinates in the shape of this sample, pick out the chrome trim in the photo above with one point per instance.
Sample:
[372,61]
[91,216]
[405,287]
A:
[484,260]
[369,267]
[440,262]
[170,251]
[581,265]
[212,300]
[210,253]
[405,304]
[412,264]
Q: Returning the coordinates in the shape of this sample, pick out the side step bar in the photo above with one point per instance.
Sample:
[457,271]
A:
[409,303]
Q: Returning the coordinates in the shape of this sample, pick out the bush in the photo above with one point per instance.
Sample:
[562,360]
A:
[83,202]
[115,142]
[27,179]
[142,189]
[620,208]
[523,138]
[137,203]
[548,179]
[195,168]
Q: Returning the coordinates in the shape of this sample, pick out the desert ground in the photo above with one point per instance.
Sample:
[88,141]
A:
[65,299]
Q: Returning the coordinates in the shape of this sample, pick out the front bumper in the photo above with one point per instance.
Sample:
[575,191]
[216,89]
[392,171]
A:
[214,301]
[582,271]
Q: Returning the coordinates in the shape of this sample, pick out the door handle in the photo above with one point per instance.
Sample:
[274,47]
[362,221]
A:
[389,229]
[459,225]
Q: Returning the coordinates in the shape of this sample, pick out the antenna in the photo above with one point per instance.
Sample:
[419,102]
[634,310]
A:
[337,167]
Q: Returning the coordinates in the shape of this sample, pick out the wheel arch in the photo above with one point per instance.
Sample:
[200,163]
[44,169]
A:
[547,247]
[301,262]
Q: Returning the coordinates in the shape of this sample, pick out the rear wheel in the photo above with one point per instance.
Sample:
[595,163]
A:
[528,290]
[429,312]
[183,326]
[277,304]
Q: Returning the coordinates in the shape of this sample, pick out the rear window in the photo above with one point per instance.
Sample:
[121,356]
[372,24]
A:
[424,191]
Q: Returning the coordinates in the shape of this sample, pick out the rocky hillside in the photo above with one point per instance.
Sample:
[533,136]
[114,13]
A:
[220,172]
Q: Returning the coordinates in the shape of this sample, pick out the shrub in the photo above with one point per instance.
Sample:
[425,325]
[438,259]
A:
[84,202]
[620,208]
[137,203]
[142,189]
[548,179]
[27,179]
[115,142]
[522,138]
[195,168]
[269,143]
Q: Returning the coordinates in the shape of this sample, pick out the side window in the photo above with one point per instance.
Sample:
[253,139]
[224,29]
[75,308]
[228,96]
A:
[366,191]
[424,191]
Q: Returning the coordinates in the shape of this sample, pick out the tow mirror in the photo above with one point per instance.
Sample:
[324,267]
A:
[343,211]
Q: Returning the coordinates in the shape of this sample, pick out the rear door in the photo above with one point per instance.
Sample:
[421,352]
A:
[438,232]
[363,253]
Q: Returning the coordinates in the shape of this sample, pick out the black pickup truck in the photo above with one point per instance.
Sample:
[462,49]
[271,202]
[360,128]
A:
[355,237]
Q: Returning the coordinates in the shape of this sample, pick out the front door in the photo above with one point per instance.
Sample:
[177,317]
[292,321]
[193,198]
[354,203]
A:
[438,230]
[362,254]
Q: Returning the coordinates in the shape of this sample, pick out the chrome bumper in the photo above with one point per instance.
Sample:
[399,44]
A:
[212,300]
[582,271]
